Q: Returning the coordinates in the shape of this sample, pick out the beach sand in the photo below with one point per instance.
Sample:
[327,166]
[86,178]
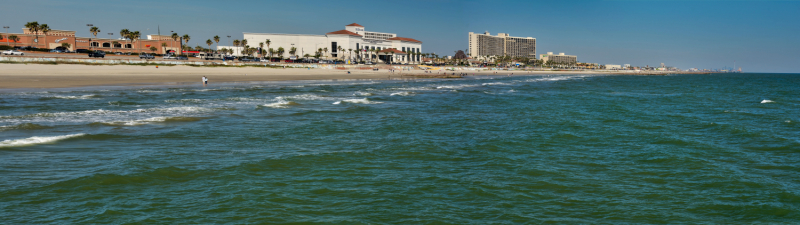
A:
[66,75]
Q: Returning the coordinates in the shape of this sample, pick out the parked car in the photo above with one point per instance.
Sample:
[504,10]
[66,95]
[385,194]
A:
[182,58]
[170,57]
[97,54]
[146,56]
[82,50]
[229,57]
[57,51]
[13,52]
[244,60]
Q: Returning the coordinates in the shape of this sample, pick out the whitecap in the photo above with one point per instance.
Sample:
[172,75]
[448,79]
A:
[360,93]
[357,101]
[36,140]
[403,93]
[767,101]
[281,104]
[75,97]
[456,86]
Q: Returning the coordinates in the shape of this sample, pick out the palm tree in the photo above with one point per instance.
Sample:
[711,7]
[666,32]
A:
[164,45]
[326,51]
[340,51]
[124,33]
[244,43]
[209,42]
[268,42]
[65,45]
[351,53]
[292,51]
[319,50]
[270,51]
[306,56]
[153,49]
[135,36]
[44,29]
[14,39]
[280,52]
[261,49]
[186,39]
[236,44]
[216,39]
[94,31]
[33,27]
[175,37]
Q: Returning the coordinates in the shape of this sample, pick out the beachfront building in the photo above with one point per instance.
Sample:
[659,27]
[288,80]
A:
[561,58]
[56,38]
[354,43]
[483,45]
[613,67]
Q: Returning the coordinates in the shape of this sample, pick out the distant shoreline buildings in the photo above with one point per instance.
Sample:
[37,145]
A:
[56,38]
[483,45]
[561,58]
[354,42]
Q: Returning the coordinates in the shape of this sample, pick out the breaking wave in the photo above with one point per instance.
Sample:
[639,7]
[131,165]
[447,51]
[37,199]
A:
[36,140]
[357,101]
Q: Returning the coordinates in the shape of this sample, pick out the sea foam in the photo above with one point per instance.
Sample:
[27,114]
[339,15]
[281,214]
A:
[357,101]
[36,140]
[766,101]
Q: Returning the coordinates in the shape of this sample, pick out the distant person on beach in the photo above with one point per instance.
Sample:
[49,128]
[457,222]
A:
[205,80]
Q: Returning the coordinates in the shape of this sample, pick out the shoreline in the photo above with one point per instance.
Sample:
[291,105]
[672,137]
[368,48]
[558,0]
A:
[42,76]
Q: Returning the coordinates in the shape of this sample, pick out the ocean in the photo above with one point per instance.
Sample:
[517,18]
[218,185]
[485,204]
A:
[720,148]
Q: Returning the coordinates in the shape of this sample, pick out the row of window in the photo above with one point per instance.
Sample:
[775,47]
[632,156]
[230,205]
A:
[108,45]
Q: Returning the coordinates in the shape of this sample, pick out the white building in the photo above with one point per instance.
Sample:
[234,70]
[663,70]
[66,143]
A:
[561,58]
[354,37]
[613,67]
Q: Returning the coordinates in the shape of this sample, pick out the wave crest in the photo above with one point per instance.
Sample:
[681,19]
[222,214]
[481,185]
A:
[36,140]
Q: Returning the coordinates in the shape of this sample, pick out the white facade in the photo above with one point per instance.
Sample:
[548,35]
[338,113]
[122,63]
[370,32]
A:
[353,37]
[613,67]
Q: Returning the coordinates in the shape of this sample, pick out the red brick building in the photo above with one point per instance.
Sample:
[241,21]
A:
[55,38]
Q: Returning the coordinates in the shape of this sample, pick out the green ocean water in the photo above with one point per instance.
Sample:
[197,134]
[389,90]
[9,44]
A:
[481,150]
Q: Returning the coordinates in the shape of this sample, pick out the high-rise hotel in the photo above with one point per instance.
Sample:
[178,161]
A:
[481,45]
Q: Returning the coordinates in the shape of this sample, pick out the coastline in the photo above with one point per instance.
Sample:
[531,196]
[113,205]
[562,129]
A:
[18,76]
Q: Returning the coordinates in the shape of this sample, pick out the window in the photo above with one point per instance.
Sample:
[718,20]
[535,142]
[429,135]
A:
[106,45]
[128,46]
[333,47]
[357,46]
[95,44]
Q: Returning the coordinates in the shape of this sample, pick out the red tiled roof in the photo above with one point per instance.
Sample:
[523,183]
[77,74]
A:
[403,39]
[344,32]
[354,25]
[395,51]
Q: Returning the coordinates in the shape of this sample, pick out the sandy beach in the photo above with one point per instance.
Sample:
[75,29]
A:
[66,75]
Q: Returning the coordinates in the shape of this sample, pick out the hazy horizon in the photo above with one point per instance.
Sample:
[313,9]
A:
[758,35]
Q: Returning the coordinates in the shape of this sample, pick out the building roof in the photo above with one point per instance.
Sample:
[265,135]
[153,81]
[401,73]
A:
[354,25]
[403,39]
[344,32]
[395,51]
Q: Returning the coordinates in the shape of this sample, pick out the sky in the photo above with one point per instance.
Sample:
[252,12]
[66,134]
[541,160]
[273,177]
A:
[756,35]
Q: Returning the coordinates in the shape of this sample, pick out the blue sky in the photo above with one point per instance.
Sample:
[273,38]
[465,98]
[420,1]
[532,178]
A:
[761,36]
